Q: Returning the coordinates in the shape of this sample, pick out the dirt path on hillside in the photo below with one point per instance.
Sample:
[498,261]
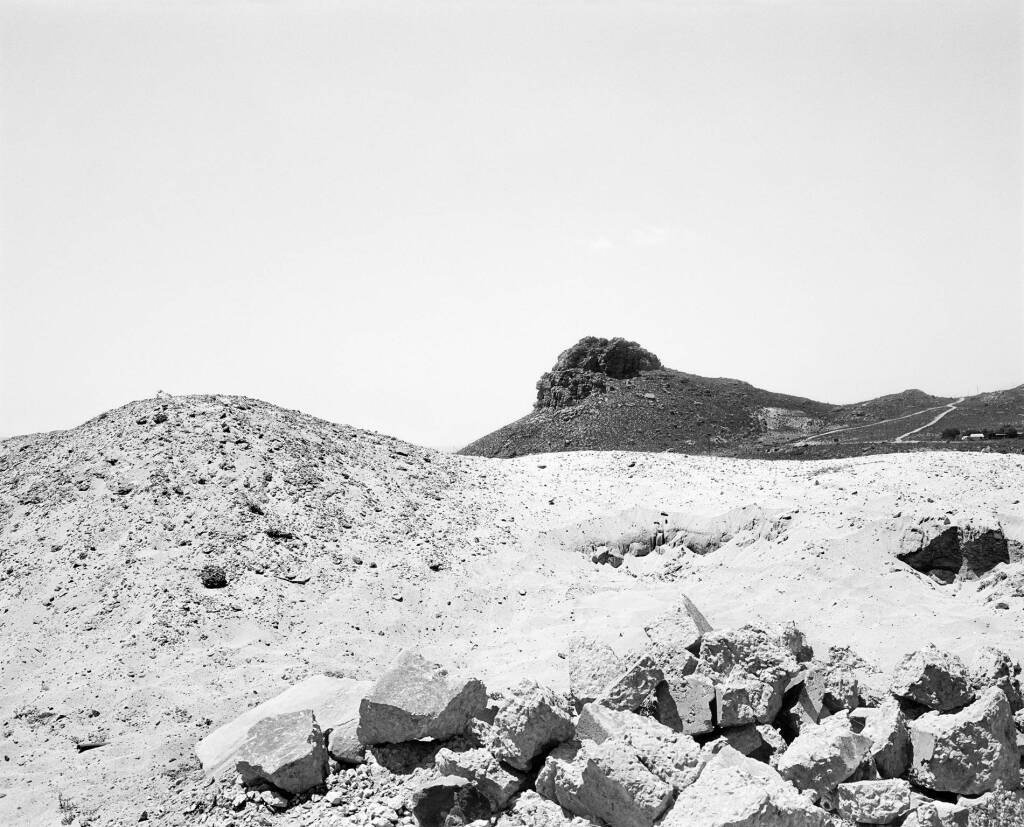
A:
[949,409]
[807,440]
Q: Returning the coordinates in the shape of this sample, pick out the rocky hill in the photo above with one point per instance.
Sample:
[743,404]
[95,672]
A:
[173,563]
[613,394]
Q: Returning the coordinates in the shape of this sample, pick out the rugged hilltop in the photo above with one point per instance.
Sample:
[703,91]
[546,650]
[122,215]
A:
[169,564]
[612,394]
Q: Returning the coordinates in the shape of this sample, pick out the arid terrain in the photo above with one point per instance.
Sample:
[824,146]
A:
[612,394]
[341,547]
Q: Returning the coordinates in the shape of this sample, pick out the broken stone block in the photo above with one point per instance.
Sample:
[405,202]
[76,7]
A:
[735,791]
[672,756]
[874,802]
[687,704]
[751,670]
[532,810]
[531,719]
[592,666]
[793,640]
[680,628]
[938,814]
[449,799]
[740,701]
[497,782]
[618,789]
[993,667]
[761,742]
[933,678]
[631,688]
[335,705]
[286,751]
[823,756]
[890,739]
[418,699]
[968,752]
[606,783]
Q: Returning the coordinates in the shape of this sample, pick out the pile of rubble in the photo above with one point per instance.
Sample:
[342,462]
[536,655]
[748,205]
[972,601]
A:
[702,728]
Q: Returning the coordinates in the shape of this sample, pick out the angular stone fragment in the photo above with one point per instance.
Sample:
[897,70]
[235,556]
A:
[890,739]
[618,789]
[761,742]
[734,791]
[497,782]
[418,699]
[939,814]
[531,720]
[605,782]
[687,704]
[334,701]
[286,751]
[993,667]
[679,628]
[793,640]
[751,670]
[968,752]
[592,666]
[823,756]
[874,802]
[933,678]
[742,701]
[436,801]
[630,689]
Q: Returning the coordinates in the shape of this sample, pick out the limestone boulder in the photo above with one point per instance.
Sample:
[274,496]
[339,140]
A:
[531,720]
[593,665]
[890,738]
[759,741]
[631,688]
[993,667]
[285,750]
[824,756]
[940,814]
[968,752]
[498,782]
[416,699]
[735,791]
[679,628]
[933,678]
[606,783]
[874,802]
[751,669]
[687,704]
[672,756]
[532,810]
[334,702]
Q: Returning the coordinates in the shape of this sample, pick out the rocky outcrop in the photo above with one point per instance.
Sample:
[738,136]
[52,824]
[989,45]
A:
[583,369]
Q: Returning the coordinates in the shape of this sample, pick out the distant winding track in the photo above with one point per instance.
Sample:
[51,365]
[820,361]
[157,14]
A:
[949,408]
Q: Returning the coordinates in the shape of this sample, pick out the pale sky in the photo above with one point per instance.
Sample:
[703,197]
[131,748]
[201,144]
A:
[396,214]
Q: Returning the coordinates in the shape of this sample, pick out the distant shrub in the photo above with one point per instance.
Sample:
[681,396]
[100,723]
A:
[1011,432]
[950,433]
[213,577]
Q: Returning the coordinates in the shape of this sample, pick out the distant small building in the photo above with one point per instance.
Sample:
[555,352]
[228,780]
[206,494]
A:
[973,436]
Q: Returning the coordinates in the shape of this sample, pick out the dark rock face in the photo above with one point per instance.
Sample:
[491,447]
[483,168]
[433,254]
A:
[581,370]
[952,552]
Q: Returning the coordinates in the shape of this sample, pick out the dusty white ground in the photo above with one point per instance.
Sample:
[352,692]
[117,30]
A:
[106,632]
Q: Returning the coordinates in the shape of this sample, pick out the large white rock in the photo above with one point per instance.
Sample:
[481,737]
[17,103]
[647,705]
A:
[735,791]
[285,750]
[532,719]
[890,739]
[933,678]
[334,702]
[496,781]
[874,802]
[968,752]
[416,698]
[823,756]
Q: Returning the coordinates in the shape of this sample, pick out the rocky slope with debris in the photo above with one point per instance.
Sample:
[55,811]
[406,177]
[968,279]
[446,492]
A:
[612,394]
[176,561]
